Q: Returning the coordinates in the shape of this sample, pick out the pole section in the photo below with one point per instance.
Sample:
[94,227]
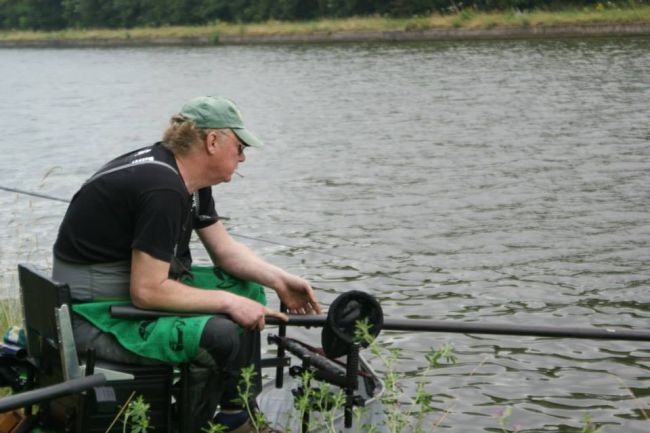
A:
[51,392]
[419,325]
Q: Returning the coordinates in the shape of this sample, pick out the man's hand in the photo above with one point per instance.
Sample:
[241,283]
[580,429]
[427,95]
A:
[296,293]
[250,314]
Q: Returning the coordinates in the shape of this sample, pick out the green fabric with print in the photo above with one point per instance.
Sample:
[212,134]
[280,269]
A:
[170,339]
[209,277]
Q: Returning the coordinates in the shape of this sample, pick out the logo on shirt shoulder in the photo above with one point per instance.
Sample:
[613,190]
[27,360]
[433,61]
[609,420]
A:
[141,160]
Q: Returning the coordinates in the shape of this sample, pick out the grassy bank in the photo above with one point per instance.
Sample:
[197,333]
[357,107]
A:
[10,313]
[465,20]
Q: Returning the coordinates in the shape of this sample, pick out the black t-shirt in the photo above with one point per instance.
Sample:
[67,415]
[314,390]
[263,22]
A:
[136,201]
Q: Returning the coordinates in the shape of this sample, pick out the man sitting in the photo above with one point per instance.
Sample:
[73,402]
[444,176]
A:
[125,238]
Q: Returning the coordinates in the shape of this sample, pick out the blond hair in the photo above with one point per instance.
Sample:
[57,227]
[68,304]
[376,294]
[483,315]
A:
[182,134]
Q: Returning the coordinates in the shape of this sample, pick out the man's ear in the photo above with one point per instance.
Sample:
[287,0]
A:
[211,143]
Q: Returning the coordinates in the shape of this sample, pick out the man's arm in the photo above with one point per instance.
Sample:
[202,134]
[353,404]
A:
[152,289]
[238,260]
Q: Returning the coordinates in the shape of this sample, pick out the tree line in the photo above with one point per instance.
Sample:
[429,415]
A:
[59,14]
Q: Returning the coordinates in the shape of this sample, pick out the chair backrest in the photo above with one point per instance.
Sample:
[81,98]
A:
[40,296]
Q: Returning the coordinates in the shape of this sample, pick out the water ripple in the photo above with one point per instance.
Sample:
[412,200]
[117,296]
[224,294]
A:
[487,181]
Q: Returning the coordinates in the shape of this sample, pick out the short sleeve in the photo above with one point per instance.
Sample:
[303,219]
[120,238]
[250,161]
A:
[161,215]
[206,213]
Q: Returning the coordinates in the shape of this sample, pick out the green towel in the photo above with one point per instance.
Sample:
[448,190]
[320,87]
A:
[169,339]
[209,277]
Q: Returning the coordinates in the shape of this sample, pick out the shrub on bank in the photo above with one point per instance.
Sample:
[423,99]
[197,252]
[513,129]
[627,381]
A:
[51,15]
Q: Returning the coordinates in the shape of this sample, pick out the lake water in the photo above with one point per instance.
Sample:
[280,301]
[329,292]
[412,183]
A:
[486,181]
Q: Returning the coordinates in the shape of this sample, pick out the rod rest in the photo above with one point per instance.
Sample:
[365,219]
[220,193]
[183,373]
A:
[326,369]
[323,368]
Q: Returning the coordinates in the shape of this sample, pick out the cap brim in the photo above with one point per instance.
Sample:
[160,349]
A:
[247,137]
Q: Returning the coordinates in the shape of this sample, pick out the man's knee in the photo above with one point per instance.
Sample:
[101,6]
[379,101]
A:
[221,338]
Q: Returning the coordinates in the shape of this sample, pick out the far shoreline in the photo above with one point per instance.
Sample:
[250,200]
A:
[432,34]
[465,24]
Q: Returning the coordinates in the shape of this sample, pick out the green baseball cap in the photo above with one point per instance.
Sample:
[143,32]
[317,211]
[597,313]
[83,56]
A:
[215,112]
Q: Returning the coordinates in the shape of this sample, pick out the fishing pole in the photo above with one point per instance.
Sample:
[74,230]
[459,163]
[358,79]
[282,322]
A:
[420,325]
[63,200]
[34,194]
[72,386]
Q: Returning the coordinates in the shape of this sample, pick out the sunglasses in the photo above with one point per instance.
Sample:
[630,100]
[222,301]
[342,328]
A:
[240,146]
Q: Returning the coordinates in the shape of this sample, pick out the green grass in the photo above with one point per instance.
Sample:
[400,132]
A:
[10,313]
[466,19]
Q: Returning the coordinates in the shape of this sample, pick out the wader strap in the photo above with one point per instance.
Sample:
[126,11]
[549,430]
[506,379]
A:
[131,164]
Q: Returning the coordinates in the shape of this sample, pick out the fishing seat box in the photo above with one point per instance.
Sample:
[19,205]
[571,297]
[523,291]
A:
[153,383]
[95,411]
